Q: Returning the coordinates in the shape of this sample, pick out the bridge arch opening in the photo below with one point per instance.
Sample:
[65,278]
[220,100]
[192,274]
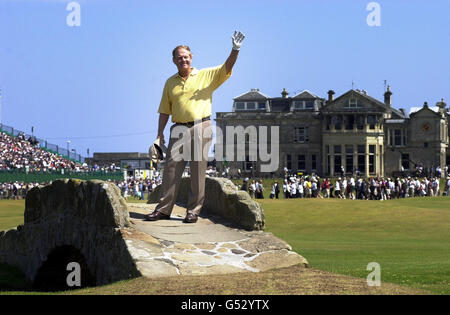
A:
[53,274]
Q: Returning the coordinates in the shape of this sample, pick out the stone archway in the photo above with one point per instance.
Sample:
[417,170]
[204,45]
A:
[71,220]
[52,274]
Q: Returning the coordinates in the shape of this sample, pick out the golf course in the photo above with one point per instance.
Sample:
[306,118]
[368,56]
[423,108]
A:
[408,238]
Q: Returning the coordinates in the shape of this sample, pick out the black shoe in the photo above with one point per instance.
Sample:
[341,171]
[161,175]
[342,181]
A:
[190,218]
[156,215]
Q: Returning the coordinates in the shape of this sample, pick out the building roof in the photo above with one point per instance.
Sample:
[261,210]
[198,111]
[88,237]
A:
[397,113]
[253,94]
[305,94]
[416,109]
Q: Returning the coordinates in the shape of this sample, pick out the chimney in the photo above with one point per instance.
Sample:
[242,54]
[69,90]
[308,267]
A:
[403,111]
[441,106]
[284,94]
[330,95]
[387,97]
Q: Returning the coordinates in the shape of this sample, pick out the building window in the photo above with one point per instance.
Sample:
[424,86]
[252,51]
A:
[313,162]
[361,122]
[405,161]
[361,158]
[349,121]
[349,158]
[337,159]
[328,122]
[303,104]
[328,159]
[288,161]
[248,165]
[397,137]
[371,159]
[337,164]
[250,106]
[240,106]
[425,144]
[336,121]
[301,134]
[337,149]
[301,162]
[352,103]
[371,120]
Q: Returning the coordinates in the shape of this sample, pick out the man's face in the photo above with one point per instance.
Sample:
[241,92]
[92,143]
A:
[182,59]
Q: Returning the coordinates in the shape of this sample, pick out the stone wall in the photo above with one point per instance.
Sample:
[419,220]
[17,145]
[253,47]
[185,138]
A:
[223,199]
[86,215]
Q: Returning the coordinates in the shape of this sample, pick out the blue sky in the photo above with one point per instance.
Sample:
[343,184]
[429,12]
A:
[99,84]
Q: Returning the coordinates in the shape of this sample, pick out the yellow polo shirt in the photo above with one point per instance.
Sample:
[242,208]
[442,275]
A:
[191,100]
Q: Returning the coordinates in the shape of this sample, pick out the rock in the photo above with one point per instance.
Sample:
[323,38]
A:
[183,246]
[238,251]
[206,246]
[229,245]
[156,268]
[277,259]
[262,242]
[193,258]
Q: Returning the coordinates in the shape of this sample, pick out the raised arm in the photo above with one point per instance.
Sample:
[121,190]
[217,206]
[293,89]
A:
[237,42]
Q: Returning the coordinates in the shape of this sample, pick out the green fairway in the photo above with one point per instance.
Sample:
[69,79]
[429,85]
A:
[409,238]
[11,213]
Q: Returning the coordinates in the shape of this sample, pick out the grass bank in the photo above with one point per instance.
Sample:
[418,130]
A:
[409,238]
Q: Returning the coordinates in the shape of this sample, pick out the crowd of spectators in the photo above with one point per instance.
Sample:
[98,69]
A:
[16,190]
[138,188]
[18,153]
[372,188]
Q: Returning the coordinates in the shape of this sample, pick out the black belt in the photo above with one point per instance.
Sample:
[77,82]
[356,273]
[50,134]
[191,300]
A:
[192,123]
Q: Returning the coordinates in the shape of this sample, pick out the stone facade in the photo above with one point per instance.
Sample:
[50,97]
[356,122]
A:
[354,133]
[71,218]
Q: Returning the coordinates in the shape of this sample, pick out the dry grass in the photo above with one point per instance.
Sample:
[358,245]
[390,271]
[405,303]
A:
[294,280]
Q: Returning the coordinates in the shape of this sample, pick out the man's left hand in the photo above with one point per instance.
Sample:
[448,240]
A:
[237,40]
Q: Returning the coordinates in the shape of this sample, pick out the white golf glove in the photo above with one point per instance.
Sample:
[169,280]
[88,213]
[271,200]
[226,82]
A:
[237,40]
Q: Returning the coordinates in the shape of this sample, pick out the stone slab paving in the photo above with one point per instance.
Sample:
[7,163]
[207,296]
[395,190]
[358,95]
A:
[171,247]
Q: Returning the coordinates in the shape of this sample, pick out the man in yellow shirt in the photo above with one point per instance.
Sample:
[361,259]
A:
[187,97]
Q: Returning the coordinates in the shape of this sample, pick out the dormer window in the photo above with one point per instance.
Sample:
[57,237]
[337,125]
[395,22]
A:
[303,104]
[251,105]
[241,106]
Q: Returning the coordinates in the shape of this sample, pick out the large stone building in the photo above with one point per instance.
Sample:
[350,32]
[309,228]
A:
[354,133]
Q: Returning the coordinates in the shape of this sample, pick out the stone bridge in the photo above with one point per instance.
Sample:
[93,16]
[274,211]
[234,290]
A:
[88,222]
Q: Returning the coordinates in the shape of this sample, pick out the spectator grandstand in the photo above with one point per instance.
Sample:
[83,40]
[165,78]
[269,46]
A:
[20,153]
[26,159]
